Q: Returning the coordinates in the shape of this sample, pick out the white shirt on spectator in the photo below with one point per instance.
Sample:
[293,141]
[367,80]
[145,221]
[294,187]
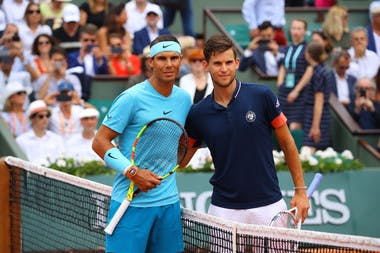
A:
[65,127]
[364,67]
[27,36]
[255,12]
[53,85]
[41,150]
[14,12]
[136,19]
[342,88]
[22,76]
[80,149]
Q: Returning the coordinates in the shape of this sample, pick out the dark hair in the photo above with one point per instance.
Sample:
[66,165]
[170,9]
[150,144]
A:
[341,54]
[265,25]
[329,46]
[88,29]
[58,50]
[316,51]
[35,50]
[166,37]
[218,43]
[110,21]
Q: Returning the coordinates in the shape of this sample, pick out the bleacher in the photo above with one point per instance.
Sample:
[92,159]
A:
[224,16]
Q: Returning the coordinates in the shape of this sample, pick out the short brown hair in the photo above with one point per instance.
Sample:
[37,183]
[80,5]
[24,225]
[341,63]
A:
[316,51]
[218,43]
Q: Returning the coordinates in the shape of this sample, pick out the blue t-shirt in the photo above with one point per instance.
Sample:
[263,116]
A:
[130,111]
[239,137]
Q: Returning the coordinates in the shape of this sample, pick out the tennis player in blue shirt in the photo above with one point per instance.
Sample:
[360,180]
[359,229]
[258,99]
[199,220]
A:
[236,123]
[152,223]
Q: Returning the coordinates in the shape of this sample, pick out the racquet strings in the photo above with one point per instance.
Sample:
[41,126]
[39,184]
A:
[284,219]
[162,146]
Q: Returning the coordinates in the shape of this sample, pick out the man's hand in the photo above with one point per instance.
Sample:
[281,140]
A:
[145,180]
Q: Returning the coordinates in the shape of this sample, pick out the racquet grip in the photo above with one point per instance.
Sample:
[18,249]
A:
[117,216]
[314,184]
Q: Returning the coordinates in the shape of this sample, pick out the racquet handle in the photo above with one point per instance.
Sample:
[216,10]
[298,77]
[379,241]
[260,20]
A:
[117,216]
[314,184]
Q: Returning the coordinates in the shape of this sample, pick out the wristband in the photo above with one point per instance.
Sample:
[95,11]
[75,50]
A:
[116,160]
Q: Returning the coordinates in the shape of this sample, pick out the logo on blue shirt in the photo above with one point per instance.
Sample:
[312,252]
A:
[250,116]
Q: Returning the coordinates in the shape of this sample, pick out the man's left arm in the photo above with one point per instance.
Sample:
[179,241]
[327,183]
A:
[288,146]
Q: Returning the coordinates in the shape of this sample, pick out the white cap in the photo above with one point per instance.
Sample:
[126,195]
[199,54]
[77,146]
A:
[37,106]
[88,113]
[12,88]
[374,8]
[71,13]
[153,8]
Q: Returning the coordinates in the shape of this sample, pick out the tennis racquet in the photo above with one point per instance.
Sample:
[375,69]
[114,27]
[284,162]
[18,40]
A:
[159,146]
[287,218]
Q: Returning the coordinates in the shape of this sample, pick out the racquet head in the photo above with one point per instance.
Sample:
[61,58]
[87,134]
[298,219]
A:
[160,146]
[285,219]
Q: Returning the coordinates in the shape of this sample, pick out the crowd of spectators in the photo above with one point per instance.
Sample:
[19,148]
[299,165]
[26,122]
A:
[349,67]
[50,51]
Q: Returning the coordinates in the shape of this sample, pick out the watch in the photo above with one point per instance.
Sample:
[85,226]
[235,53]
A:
[131,172]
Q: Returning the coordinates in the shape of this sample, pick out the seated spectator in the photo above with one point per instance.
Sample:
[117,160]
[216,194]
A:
[143,37]
[46,85]
[32,27]
[7,75]
[52,13]
[9,32]
[14,114]
[65,116]
[68,34]
[79,146]
[41,55]
[198,83]
[187,44]
[40,145]
[114,22]
[89,56]
[94,12]
[263,51]
[364,63]
[335,26]
[15,10]
[136,13]
[122,62]
[343,84]
[256,12]
[373,29]
[365,109]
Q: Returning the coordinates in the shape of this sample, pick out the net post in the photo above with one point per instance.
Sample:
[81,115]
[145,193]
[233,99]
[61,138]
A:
[5,224]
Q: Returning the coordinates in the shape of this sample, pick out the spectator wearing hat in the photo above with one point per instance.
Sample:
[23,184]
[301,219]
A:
[136,13]
[79,145]
[47,84]
[373,29]
[198,83]
[143,37]
[65,119]
[68,34]
[7,74]
[13,112]
[40,145]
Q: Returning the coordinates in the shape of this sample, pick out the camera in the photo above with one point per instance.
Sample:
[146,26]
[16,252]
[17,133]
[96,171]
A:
[362,92]
[263,45]
[58,65]
[116,50]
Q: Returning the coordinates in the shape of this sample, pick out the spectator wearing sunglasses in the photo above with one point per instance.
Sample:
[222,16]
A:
[343,84]
[13,113]
[32,27]
[40,145]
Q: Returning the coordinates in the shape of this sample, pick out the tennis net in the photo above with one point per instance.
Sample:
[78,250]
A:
[51,211]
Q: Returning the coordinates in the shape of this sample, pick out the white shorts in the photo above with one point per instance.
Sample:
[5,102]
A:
[260,215]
